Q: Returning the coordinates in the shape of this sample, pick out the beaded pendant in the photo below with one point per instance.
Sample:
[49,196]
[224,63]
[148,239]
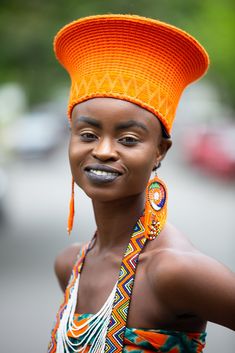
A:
[156,207]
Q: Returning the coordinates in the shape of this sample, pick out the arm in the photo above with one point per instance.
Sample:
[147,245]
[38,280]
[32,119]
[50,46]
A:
[212,292]
[64,263]
[202,286]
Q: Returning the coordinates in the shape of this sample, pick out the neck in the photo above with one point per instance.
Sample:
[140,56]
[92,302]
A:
[115,221]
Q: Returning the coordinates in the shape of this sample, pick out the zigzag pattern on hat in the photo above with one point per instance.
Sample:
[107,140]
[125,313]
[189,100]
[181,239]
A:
[143,93]
[134,58]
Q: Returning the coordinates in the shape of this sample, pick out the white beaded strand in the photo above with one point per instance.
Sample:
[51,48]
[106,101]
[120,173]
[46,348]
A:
[96,330]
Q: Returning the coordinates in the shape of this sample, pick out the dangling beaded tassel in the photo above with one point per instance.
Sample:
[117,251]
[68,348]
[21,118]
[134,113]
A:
[71,210]
[155,207]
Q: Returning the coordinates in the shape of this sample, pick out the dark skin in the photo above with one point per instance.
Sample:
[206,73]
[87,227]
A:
[176,286]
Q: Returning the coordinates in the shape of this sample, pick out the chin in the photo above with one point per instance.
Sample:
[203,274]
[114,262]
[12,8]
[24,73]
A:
[110,192]
[102,195]
[109,196]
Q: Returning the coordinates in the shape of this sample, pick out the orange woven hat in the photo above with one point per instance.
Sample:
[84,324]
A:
[137,59]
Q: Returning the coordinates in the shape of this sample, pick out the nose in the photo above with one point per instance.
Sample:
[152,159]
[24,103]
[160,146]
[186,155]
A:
[105,150]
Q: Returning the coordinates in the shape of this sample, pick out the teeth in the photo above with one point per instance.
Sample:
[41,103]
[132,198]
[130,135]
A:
[101,172]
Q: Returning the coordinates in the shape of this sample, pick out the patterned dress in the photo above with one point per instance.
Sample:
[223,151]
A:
[70,332]
[146,340]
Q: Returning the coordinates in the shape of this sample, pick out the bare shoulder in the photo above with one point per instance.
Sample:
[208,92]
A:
[64,263]
[176,260]
[193,282]
[171,256]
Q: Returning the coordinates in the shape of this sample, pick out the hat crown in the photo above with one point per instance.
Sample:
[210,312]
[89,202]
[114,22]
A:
[134,58]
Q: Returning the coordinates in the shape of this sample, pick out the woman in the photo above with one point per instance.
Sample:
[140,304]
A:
[139,285]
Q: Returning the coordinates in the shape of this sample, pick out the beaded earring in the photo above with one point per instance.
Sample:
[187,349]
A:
[71,209]
[155,207]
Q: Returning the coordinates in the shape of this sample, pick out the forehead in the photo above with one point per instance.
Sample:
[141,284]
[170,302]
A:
[112,111]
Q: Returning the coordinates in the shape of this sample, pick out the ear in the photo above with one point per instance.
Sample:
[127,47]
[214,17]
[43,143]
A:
[163,147]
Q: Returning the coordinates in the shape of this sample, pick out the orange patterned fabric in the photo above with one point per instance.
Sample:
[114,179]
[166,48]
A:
[137,59]
[117,323]
[120,338]
[150,340]
[118,320]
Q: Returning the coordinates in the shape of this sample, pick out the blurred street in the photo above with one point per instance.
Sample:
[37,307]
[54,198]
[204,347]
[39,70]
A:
[35,178]
[34,231]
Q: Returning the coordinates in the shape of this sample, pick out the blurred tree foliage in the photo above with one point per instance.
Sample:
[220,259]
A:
[27,29]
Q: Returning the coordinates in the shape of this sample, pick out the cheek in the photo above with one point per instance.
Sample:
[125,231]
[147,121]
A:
[140,167]
[143,158]
[72,151]
[76,153]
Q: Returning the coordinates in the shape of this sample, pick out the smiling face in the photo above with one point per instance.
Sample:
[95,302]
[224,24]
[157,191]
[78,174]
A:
[113,148]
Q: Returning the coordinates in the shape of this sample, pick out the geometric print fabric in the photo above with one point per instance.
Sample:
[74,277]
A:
[118,320]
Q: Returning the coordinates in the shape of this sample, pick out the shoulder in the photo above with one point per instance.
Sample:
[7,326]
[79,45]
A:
[193,282]
[171,258]
[175,261]
[65,262]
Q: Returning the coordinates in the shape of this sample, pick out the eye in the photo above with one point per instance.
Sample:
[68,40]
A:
[129,140]
[88,136]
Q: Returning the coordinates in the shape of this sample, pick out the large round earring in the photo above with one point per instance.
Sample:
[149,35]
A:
[155,207]
[71,209]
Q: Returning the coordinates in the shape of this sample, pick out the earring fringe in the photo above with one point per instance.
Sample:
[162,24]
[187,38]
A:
[71,210]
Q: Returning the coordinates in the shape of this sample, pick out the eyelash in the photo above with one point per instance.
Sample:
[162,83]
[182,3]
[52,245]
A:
[132,140]
[87,136]
[127,140]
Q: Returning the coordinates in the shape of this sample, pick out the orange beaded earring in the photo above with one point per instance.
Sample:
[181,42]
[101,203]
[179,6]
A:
[155,207]
[71,210]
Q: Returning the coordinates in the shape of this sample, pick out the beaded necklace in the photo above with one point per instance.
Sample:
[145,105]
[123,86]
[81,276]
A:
[105,329]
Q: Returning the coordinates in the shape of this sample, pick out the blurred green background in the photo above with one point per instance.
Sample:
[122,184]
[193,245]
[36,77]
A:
[27,29]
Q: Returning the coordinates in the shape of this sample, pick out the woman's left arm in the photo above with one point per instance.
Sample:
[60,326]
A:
[208,290]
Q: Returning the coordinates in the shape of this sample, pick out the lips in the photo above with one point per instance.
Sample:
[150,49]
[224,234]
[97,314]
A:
[102,168]
[98,173]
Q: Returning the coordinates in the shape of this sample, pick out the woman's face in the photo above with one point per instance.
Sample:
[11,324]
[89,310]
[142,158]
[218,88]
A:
[113,148]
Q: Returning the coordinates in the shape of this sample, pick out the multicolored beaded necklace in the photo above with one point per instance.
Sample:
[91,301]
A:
[106,329]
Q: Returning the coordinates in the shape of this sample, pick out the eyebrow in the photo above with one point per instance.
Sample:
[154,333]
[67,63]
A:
[131,123]
[119,126]
[90,121]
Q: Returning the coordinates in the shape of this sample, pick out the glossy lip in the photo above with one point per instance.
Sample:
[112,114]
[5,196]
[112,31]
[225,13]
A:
[102,168]
[101,179]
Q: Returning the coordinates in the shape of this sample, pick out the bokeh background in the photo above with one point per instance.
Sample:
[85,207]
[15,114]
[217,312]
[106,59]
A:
[34,169]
